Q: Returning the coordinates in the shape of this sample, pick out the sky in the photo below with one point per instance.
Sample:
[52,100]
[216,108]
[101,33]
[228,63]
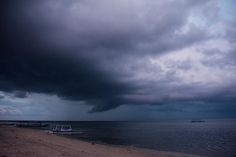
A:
[117,60]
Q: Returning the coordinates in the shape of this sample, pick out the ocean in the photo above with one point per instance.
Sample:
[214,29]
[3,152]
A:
[213,138]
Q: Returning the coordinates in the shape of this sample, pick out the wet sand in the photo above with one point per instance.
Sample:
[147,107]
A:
[22,142]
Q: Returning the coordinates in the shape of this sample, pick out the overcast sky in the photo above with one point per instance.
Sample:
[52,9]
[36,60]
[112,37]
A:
[117,60]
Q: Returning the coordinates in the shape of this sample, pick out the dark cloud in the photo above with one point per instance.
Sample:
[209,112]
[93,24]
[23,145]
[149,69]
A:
[52,73]
[31,65]
[93,51]
[19,94]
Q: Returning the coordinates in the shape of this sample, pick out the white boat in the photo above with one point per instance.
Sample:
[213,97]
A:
[62,128]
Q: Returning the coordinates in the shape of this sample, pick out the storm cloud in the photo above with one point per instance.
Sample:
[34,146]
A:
[127,52]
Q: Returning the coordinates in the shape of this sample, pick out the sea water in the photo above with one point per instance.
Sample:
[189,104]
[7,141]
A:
[213,138]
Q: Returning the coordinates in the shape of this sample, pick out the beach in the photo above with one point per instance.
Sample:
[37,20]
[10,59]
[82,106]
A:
[22,142]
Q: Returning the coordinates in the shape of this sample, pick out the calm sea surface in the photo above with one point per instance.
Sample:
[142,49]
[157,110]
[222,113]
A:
[213,138]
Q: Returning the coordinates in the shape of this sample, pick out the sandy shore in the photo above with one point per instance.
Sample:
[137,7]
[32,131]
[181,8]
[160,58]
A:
[21,142]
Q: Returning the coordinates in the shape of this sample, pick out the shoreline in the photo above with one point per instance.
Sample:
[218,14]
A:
[30,142]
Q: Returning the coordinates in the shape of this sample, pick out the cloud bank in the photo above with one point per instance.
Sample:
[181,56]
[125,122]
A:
[109,54]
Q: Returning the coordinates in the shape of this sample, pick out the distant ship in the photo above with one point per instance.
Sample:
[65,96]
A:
[197,121]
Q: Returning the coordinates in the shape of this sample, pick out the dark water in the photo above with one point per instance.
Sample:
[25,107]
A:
[213,138]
